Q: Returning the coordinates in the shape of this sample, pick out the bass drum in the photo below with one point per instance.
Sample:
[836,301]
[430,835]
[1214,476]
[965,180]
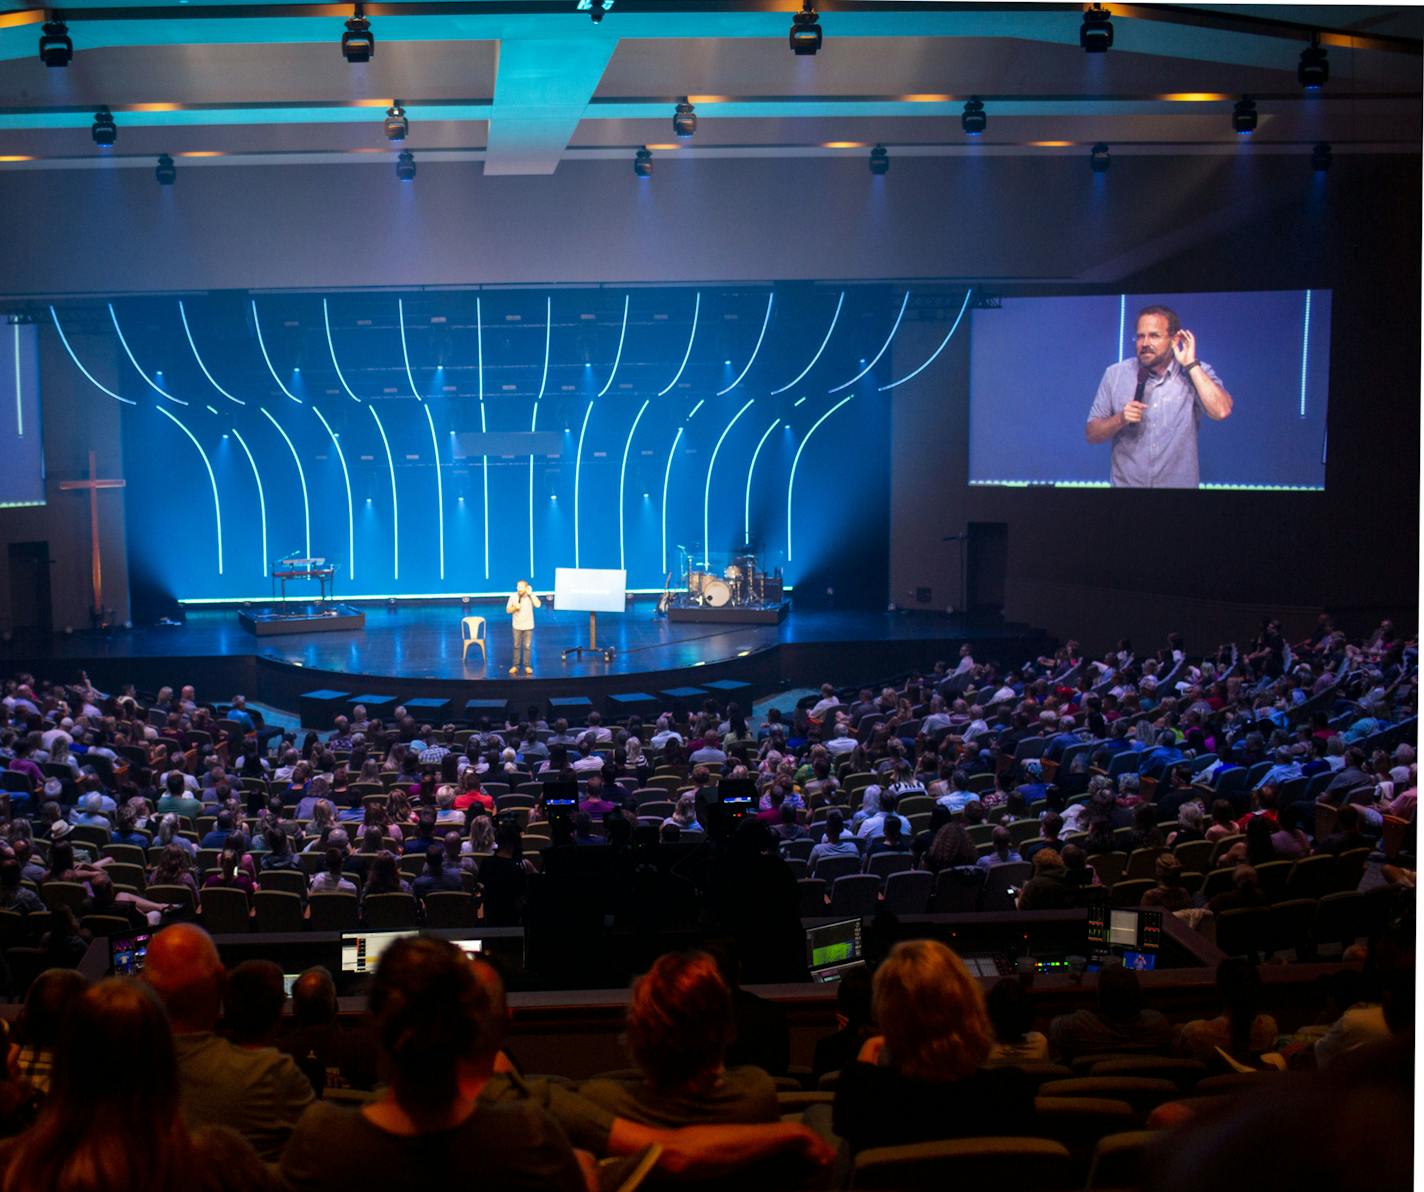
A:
[717,593]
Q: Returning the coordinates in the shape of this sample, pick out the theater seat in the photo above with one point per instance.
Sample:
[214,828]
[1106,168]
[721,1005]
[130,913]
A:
[1117,1160]
[855,894]
[908,893]
[1006,1164]
[390,912]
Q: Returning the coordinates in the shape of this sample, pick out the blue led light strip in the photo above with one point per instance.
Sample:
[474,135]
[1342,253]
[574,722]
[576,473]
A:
[331,347]
[696,309]
[839,303]
[622,473]
[667,472]
[19,402]
[1121,324]
[578,467]
[608,384]
[791,484]
[484,459]
[405,355]
[701,401]
[707,487]
[1304,352]
[261,496]
[747,502]
[883,348]
[301,475]
[152,384]
[183,314]
[350,512]
[217,506]
[534,422]
[257,325]
[395,505]
[90,376]
[439,490]
[944,343]
[765,320]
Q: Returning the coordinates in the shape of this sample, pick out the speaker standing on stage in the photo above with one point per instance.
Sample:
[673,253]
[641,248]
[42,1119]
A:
[521,607]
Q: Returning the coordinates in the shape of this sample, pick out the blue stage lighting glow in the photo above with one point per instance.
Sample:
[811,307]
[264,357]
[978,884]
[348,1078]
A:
[534,421]
[622,475]
[301,475]
[618,356]
[883,348]
[944,343]
[149,381]
[687,355]
[183,315]
[707,486]
[1121,326]
[331,347]
[484,459]
[88,375]
[19,388]
[405,355]
[578,466]
[791,483]
[765,320]
[439,490]
[667,474]
[701,401]
[350,514]
[747,502]
[1304,352]
[395,504]
[257,326]
[839,303]
[217,505]
[261,496]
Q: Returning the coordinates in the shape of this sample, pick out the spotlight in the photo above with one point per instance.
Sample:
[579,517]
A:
[1095,34]
[879,161]
[596,9]
[1243,115]
[405,166]
[55,47]
[643,163]
[1314,69]
[104,131]
[166,172]
[684,120]
[1099,158]
[358,43]
[973,120]
[805,31]
[396,123]
[1321,157]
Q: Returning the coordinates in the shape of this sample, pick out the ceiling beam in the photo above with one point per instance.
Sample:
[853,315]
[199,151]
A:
[536,110]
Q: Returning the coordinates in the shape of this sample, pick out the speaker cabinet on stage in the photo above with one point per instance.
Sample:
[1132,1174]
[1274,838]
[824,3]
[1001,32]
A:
[987,561]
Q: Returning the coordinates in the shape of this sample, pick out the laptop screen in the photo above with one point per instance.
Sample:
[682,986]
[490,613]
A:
[833,944]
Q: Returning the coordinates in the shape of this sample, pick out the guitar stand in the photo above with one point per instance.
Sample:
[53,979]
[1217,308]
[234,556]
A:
[593,647]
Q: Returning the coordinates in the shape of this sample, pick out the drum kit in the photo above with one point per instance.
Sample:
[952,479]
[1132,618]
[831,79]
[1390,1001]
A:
[741,583]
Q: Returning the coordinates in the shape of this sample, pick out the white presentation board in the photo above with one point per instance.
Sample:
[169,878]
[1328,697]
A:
[586,590]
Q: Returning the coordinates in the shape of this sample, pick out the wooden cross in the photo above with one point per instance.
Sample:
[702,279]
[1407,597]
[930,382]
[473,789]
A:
[93,485]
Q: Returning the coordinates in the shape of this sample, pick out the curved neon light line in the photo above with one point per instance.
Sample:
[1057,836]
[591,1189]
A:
[747,503]
[65,341]
[696,308]
[1304,352]
[152,384]
[301,475]
[617,358]
[622,472]
[667,472]
[534,422]
[350,512]
[395,505]
[405,355]
[578,466]
[261,497]
[1121,322]
[943,344]
[791,484]
[257,323]
[701,401]
[439,490]
[883,348]
[183,314]
[331,347]
[213,480]
[707,487]
[484,459]
[839,303]
[765,320]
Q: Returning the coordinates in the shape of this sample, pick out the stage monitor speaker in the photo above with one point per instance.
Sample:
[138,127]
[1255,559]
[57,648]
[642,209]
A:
[988,557]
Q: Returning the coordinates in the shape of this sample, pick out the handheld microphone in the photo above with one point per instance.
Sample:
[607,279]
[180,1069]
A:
[1142,375]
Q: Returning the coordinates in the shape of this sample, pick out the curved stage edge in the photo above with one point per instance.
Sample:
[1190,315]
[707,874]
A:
[413,652]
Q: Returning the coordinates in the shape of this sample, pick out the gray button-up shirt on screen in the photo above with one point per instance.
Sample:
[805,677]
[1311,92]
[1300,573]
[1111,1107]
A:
[1161,450]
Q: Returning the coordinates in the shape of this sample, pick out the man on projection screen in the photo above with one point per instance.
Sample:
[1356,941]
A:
[1150,407]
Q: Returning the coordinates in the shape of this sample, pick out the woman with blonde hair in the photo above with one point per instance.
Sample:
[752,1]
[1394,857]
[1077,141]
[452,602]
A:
[923,1077]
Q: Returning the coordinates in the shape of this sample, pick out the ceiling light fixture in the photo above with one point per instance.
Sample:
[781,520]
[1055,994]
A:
[104,131]
[55,47]
[1243,115]
[1095,34]
[596,9]
[973,120]
[1099,158]
[405,166]
[684,120]
[1314,69]
[358,43]
[1321,157]
[166,172]
[643,162]
[879,161]
[396,123]
[805,31]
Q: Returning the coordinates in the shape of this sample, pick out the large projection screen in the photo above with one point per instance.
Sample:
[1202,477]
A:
[587,590]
